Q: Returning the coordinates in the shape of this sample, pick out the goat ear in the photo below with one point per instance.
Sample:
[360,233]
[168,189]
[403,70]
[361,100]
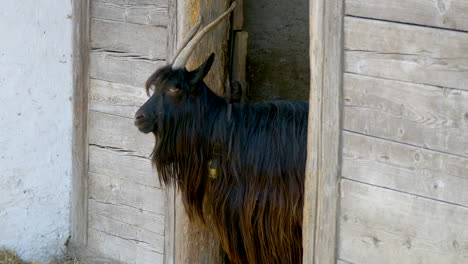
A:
[202,71]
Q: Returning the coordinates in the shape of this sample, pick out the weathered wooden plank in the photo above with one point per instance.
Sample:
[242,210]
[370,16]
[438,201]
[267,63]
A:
[144,220]
[324,130]
[79,192]
[421,115]
[239,61]
[106,189]
[144,40]
[170,215]
[114,98]
[214,42]
[154,14]
[436,13]
[122,68]
[118,132]
[408,53]
[123,250]
[84,254]
[161,3]
[122,165]
[143,238]
[384,226]
[193,242]
[238,16]
[405,168]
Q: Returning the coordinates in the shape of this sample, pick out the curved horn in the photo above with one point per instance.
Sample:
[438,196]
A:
[184,55]
[189,37]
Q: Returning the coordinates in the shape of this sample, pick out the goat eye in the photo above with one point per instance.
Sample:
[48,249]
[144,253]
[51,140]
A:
[173,90]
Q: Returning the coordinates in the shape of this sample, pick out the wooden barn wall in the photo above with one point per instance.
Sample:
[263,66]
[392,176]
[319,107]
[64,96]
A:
[404,192]
[126,204]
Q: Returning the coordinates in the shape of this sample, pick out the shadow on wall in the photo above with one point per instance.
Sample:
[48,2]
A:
[278,49]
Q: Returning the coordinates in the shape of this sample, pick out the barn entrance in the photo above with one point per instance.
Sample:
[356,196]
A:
[387,156]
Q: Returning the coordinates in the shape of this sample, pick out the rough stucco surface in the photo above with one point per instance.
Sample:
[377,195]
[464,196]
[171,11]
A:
[278,49]
[35,127]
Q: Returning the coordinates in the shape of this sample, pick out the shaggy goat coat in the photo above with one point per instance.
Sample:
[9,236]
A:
[259,152]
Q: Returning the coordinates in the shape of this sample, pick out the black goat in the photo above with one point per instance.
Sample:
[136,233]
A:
[246,170]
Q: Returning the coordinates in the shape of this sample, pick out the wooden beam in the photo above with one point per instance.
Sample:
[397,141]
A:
[190,242]
[239,62]
[170,214]
[79,207]
[238,17]
[444,14]
[324,136]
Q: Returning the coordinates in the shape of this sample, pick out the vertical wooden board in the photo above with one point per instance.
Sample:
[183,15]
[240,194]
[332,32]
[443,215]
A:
[143,40]
[154,14]
[143,220]
[170,215]
[114,98]
[79,192]
[239,61]
[405,52]
[214,42]
[385,226]
[324,132]
[193,242]
[110,190]
[143,238]
[405,168]
[122,250]
[435,13]
[134,2]
[238,16]
[426,116]
[119,133]
[122,165]
[85,254]
[122,68]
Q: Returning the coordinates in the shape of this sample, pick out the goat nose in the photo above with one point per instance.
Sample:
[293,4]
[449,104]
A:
[139,116]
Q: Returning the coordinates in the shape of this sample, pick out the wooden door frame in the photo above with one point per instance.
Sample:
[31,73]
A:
[323,169]
[79,184]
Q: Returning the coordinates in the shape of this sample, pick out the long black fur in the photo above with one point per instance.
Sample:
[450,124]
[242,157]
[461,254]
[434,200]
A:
[256,199]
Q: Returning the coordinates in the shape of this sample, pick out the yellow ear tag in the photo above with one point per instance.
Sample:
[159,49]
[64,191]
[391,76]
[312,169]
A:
[212,171]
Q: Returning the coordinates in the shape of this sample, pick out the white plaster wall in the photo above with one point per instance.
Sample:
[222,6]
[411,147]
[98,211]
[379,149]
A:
[35,126]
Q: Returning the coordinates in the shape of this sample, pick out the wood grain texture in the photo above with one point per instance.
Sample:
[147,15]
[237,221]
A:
[323,160]
[89,255]
[144,40]
[238,16]
[214,42]
[123,165]
[143,220]
[436,13]
[117,132]
[111,190]
[405,168]
[384,226]
[421,115]
[114,98]
[170,215]
[122,68]
[142,237]
[121,249]
[405,52]
[78,208]
[239,61]
[193,242]
[153,13]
